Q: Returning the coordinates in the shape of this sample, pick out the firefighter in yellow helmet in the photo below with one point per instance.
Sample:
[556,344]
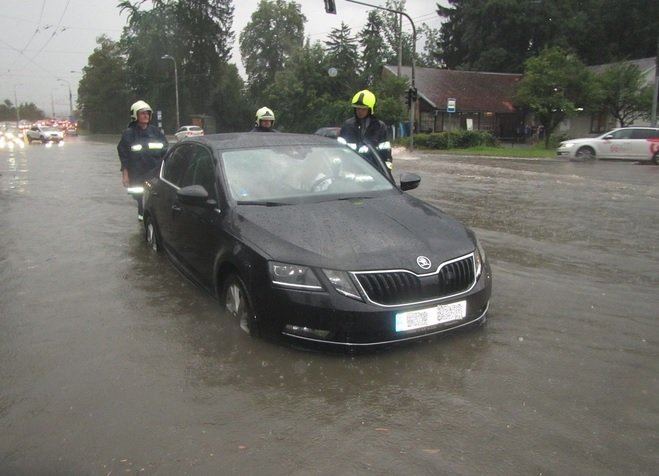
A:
[364,130]
[141,149]
[265,119]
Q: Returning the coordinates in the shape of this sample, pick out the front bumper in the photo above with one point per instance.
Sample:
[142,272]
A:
[332,319]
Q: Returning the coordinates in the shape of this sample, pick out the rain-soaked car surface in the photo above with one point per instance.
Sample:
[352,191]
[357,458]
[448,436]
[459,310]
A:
[299,237]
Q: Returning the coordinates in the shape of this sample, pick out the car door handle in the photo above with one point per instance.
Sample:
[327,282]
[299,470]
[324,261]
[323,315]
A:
[176,209]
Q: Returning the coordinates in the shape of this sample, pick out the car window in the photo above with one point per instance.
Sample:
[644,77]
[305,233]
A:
[176,165]
[201,170]
[643,134]
[298,171]
[621,134]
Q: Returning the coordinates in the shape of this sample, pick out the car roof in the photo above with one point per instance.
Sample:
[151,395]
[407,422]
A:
[247,140]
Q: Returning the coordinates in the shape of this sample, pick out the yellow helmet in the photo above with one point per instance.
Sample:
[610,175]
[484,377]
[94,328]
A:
[137,107]
[364,98]
[264,114]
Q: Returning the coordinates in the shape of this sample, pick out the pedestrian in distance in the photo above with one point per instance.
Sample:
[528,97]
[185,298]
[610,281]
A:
[265,119]
[141,149]
[364,129]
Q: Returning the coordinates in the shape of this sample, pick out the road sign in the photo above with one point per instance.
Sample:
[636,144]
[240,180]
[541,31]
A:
[450,105]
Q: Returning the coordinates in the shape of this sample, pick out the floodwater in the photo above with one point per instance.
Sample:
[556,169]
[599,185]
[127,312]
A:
[112,363]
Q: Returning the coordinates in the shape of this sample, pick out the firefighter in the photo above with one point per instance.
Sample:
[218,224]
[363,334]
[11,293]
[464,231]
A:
[141,149]
[265,119]
[365,129]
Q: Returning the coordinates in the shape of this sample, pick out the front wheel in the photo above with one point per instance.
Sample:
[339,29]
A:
[151,235]
[585,153]
[237,302]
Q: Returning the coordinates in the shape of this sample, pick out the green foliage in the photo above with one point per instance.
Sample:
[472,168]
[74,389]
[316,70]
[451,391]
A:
[500,35]
[28,111]
[622,92]
[555,85]
[103,95]
[268,41]
[457,139]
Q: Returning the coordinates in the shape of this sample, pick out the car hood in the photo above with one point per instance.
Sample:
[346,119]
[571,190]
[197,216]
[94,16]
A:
[387,232]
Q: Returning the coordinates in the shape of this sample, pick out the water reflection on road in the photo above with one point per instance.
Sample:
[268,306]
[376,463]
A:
[111,362]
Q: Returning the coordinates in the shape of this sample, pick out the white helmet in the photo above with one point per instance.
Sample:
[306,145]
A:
[139,106]
[264,114]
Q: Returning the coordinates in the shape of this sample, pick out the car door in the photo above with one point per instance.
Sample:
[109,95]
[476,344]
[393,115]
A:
[641,143]
[617,144]
[166,206]
[197,225]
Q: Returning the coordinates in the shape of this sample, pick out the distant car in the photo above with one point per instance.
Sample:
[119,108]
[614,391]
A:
[301,238]
[332,132]
[634,143]
[188,131]
[44,134]
[11,137]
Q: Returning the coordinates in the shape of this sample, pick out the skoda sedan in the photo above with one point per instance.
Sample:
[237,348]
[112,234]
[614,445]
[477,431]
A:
[301,238]
[634,143]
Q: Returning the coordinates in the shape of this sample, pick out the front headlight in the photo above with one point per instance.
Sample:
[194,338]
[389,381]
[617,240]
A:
[294,276]
[567,145]
[342,283]
[479,258]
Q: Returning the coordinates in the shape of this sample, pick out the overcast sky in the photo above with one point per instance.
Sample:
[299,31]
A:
[44,44]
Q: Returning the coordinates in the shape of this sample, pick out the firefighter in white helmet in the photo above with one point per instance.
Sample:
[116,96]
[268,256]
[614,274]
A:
[141,149]
[265,119]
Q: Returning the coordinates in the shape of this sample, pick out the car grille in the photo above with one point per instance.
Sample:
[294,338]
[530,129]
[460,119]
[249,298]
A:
[391,288]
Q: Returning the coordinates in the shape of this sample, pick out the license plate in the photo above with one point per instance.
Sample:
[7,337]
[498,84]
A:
[407,321]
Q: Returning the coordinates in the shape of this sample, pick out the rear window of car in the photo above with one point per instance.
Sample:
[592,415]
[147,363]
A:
[645,134]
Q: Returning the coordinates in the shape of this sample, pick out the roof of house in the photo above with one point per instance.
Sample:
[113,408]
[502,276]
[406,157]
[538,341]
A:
[472,90]
[645,65]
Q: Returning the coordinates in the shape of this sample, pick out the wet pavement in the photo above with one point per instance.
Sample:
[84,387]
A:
[112,363]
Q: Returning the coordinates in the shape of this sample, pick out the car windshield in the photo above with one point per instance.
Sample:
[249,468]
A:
[297,172]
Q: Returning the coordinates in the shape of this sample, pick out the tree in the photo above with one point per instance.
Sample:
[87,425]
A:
[555,85]
[103,95]
[499,35]
[394,36]
[624,94]
[341,54]
[195,33]
[274,33]
[374,49]
[230,107]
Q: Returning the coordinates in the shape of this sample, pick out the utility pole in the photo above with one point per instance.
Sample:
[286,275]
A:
[656,86]
[178,119]
[18,114]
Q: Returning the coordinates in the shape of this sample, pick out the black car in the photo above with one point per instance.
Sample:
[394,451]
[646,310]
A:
[299,236]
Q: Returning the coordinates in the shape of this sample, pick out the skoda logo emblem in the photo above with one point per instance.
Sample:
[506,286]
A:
[423,262]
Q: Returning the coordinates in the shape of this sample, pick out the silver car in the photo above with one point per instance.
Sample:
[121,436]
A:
[633,143]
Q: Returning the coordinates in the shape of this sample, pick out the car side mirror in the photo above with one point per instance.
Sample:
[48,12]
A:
[195,195]
[409,181]
[608,136]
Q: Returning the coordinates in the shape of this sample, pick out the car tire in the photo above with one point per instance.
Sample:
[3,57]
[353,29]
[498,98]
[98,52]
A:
[29,139]
[151,235]
[655,158]
[585,153]
[238,304]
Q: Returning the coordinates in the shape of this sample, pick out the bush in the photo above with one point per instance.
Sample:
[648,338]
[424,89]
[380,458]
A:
[457,139]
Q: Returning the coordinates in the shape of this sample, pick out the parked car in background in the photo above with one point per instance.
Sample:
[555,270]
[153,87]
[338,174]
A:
[332,132]
[44,134]
[188,131]
[635,143]
[301,238]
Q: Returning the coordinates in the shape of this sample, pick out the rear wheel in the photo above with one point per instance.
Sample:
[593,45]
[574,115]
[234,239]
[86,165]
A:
[151,235]
[585,153]
[655,158]
[237,303]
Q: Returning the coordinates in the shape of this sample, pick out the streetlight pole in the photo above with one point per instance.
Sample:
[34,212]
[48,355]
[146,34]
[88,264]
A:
[413,86]
[178,119]
[70,96]
[18,114]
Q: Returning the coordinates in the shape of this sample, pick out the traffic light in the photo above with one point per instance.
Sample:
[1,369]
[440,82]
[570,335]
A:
[330,6]
[411,96]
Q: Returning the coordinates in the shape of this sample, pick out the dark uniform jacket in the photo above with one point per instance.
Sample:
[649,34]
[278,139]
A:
[141,152]
[371,131]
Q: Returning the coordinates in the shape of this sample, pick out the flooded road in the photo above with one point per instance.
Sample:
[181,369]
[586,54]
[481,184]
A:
[112,363]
